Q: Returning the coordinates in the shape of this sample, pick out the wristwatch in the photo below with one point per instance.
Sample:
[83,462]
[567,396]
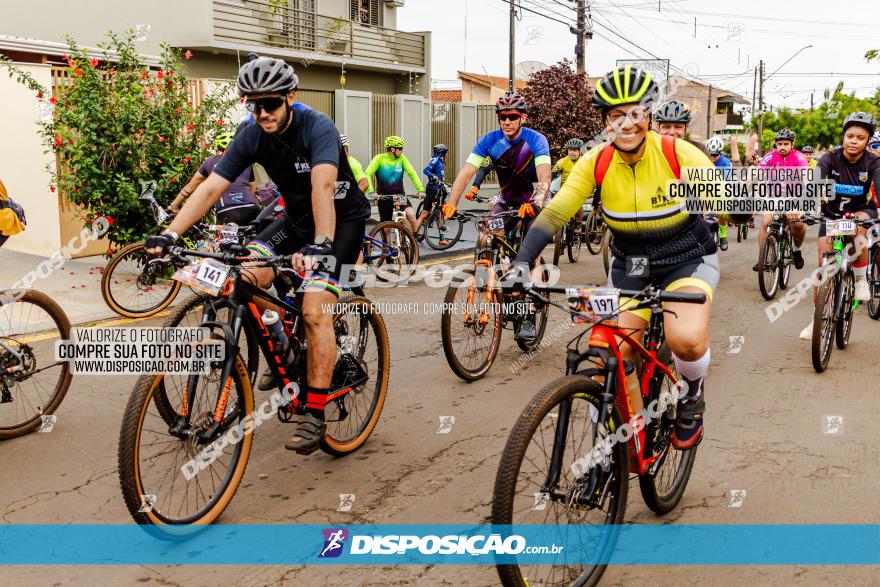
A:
[323,239]
[171,233]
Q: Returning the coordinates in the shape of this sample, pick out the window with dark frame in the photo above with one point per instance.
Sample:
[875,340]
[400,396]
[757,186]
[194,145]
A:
[366,12]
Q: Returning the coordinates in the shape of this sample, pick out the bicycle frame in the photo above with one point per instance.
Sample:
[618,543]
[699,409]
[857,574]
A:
[388,251]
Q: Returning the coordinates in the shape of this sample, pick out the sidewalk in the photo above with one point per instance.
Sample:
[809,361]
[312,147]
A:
[76,286]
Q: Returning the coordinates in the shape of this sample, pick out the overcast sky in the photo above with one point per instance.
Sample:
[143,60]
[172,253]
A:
[473,34]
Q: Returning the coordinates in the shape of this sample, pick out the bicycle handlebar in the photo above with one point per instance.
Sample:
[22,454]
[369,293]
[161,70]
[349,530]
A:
[652,294]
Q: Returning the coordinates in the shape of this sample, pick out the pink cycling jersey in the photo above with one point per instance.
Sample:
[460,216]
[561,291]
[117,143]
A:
[793,159]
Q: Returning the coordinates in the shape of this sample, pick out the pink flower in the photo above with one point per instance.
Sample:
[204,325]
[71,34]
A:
[77,71]
[109,220]
[39,95]
[161,139]
[52,188]
[145,74]
[52,101]
[188,54]
[190,126]
[219,123]
[160,75]
[187,159]
[58,141]
[173,181]
[93,62]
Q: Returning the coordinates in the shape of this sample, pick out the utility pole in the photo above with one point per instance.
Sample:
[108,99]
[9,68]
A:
[760,107]
[579,48]
[512,46]
[754,91]
[709,115]
[812,95]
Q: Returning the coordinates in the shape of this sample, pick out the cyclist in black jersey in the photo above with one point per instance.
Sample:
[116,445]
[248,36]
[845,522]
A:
[854,170]
[326,213]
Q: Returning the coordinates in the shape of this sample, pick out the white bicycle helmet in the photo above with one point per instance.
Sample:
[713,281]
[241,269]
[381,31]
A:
[715,145]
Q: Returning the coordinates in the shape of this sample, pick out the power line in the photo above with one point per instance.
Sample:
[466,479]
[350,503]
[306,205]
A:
[553,12]
[539,14]
[824,23]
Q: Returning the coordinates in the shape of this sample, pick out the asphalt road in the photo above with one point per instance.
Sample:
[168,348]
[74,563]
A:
[766,434]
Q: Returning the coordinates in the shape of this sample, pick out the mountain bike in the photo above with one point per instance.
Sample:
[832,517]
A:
[569,239]
[568,460]
[32,382]
[777,257]
[742,232]
[172,421]
[475,311]
[392,242]
[835,303]
[440,233]
[135,288]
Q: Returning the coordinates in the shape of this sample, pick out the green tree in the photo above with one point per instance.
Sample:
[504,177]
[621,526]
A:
[820,127]
[117,123]
[560,106]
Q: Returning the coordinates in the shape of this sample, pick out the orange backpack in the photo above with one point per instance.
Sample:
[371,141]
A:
[604,160]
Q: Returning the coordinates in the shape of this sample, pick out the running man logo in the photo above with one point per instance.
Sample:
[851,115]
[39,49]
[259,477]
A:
[346,501]
[334,540]
[736,344]
[637,266]
[341,190]
[47,423]
[737,497]
[833,425]
[446,423]
[147,503]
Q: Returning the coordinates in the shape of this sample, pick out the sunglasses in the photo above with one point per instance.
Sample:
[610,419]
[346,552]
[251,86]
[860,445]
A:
[503,117]
[270,104]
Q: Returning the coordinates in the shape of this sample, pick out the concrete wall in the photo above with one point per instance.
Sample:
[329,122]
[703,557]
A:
[22,165]
[174,22]
[354,117]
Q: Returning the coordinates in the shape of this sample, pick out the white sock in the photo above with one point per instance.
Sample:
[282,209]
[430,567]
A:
[693,371]
[861,272]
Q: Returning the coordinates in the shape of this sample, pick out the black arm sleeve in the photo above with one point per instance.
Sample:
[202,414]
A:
[482,172]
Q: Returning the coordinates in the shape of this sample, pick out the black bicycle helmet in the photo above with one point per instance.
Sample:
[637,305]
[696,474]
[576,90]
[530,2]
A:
[511,101]
[807,149]
[784,135]
[574,144]
[266,75]
[440,149]
[862,119]
[673,111]
[625,86]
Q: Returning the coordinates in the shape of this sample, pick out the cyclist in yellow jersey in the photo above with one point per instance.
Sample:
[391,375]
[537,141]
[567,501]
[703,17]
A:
[564,166]
[675,247]
[808,151]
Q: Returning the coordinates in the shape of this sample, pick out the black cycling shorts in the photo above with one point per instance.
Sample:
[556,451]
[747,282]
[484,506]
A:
[433,196]
[279,238]
[871,211]
[386,208]
[239,215]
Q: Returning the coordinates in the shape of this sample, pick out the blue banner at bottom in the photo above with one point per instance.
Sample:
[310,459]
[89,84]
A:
[431,544]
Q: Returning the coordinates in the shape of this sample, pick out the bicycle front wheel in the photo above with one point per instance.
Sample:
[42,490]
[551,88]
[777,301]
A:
[470,325]
[442,233]
[664,484]
[559,426]
[166,479]
[874,282]
[823,324]
[541,315]
[392,252]
[786,259]
[768,279]
[843,327]
[134,288]
[34,384]
[364,364]
[574,242]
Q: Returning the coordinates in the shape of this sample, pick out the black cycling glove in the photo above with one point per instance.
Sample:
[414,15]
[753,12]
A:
[163,241]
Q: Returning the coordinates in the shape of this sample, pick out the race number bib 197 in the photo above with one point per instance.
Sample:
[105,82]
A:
[593,304]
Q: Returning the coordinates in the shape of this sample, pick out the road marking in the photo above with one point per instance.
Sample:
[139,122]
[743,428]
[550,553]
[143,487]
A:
[108,322]
[447,259]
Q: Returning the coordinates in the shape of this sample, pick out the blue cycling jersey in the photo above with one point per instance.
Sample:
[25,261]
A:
[434,169]
[515,162]
[724,161]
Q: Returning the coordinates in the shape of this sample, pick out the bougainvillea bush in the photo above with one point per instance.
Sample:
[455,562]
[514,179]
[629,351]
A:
[117,123]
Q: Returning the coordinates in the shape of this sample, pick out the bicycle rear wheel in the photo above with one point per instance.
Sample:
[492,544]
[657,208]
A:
[558,245]
[541,316]
[874,282]
[168,480]
[786,259]
[439,229]
[584,495]
[768,278]
[470,325]
[29,328]
[134,288]
[823,324]
[607,239]
[392,252]
[594,234]
[843,327]
[362,345]
[574,242]
[663,486]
